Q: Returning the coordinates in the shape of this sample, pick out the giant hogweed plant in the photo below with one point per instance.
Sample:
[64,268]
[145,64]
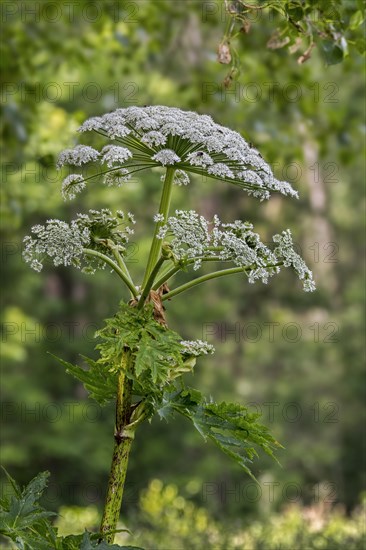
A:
[142,362]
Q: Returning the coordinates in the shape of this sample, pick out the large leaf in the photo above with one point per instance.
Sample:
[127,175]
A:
[156,350]
[27,524]
[100,382]
[23,520]
[229,425]
[159,351]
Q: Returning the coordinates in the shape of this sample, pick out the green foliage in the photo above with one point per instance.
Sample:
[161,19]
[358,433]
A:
[229,425]
[27,524]
[169,518]
[156,350]
[158,360]
[101,385]
[172,521]
[299,26]
[22,518]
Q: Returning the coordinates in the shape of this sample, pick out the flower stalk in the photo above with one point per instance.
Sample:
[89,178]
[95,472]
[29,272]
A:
[150,282]
[164,211]
[125,278]
[200,280]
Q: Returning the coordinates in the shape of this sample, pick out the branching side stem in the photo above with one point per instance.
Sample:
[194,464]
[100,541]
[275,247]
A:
[114,266]
[202,279]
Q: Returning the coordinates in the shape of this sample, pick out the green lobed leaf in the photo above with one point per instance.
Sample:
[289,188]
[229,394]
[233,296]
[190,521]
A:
[229,425]
[156,350]
[13,483]
[157,358]
[101,384]
[23,520]
[27,524]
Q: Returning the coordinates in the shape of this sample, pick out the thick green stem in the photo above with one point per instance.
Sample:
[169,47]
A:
[164,210]
[123,437]
[150,282]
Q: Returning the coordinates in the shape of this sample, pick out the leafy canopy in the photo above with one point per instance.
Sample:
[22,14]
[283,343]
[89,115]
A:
[160,358]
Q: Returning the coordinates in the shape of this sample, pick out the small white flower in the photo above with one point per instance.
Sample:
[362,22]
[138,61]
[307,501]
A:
[58,240]
[81,154]
[249,176]
[114,125]
[36,265]
[159,218]
[117,177]
[196,347]
[72,184]
[94,123]
[181,178]
[285,251]
[220,170]
[154,139]
[166,157]
[200,158]
[112,154]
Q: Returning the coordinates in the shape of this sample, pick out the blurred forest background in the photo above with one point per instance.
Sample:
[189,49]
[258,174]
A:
[295,357]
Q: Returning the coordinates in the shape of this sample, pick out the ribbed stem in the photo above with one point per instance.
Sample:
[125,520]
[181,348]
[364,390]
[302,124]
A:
[164,210]
[150,282]
[123,437]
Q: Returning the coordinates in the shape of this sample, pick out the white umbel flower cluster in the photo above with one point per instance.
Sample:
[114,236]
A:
[285,250]
[72,184]
[65,243]
[196,347]
[199,158]
[116,178]
[185,140]
[154,139]
[112,155]
[166,157]
[58,240]
[181,178]
[191,235]
[81,154]
[193,239]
